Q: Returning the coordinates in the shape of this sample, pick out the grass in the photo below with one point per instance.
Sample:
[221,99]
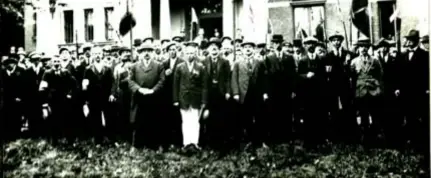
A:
[37,158]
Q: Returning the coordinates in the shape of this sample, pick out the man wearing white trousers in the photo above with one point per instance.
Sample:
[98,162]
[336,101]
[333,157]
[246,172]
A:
[190,94]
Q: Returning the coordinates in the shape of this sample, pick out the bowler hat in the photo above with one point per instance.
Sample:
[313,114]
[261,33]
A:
[309,40]
[363,41]
[413,34]
[169,45]
[214,41]
[336,35]
[178,39]
[34,56]
[12,58]
[226,38]
[148,39]
[381,43]
[62,49]
[191,43]
[248,43]
[123,49]
[137,42]
[261,45]
[277,38]
[425,39]
[238,40]
[297,43]
[163,41]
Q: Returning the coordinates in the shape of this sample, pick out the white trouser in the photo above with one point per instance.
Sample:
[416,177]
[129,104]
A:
[190,126]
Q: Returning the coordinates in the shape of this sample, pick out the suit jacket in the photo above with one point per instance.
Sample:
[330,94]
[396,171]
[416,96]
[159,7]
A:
[15,85]
[220,79]
[415,78]
[367,77]
[190,88]
[100,84]
[121,74]
[169,80]
[310,87]
[59,86]
[391,73]
[243,78]
[141,76]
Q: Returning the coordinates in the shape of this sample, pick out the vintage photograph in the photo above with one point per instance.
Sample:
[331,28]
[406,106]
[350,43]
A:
[214,88]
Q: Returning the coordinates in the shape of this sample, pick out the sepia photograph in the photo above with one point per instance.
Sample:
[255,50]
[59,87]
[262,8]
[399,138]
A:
[214,89]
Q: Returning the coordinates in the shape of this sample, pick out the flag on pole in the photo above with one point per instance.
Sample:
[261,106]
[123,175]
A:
[395,15]
[360,16]
[127,23]
[194,24]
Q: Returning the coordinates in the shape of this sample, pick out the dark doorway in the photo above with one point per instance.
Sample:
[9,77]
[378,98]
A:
[387,28]
[210,23]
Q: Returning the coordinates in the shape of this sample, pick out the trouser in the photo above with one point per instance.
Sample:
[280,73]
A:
[10,121]
[369,111]
[190,126]
[416,109]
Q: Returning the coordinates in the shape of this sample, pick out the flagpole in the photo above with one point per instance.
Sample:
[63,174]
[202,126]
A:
[396,30]
[76,44]
[344,25]
[234,30]
[370,22]
[131,31]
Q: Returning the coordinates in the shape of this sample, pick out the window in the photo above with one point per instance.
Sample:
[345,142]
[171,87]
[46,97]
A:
[109,30]
[68,26]
[88,25]
[309,21]
[387,28]
[34,27]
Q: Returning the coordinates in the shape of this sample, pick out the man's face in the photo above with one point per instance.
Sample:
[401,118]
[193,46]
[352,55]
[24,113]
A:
[393,52]
[276,45]
[56,63]
[12,50]
[426,45]
[97,55]
[297,50]
[227,49]
[248,50]
[411,43]
[336,42]
[214,51]
[320,51]
[363,50]
[190,53]
[172,52]
[146,54]
[65,54]
[125,55]
[310,47]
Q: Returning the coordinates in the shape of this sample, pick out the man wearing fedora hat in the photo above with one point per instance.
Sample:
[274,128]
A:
[14,90]
[367,77]
[218,72]
[145,82]
[425,42]
[415,90]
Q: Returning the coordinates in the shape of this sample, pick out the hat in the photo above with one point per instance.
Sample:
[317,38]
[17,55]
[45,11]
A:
[137,42]
[261,45]
[425,39]
[363,41]
[146,46]
[297,43]
[238,40]
[34,55]
[178,39]
[214,41]
[191,43]
[123,49]
[64,49]
[11,59]
[148,38]
[165,41]
[115,48]
[21,52]
[287,44]
[86,46]
[413,34]
[248,43]
[277,38]
[336,35]
[381,43]
[107,48]
[310,39]
[169,45]
[226,38]
[392,43]
[204,44]
[321,44]
[45,58]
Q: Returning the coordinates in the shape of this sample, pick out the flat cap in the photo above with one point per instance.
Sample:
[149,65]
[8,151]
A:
[310,39]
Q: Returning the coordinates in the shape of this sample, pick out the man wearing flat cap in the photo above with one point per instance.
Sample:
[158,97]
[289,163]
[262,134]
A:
[145,82]
[191,95]
[415,90]
[280,78]
[367,77]
[14,90]
[218,72]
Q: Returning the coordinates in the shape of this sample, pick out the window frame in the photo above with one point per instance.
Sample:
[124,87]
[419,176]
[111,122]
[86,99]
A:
[72,24]
[108,27]
[86,25]
[307,4]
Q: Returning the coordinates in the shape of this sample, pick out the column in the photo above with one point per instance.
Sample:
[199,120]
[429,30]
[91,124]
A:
[165,19]
[99,23]
[228,18]
[142,13]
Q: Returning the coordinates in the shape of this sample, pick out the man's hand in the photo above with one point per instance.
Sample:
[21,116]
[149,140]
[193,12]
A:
[227,96]
[69,96]
[310,74]
[45,111]
[427,92]
[176,104]
[236,97]
[293,95]
[397,93]
[168,72]
[146,91]
[17,99]
[85,84]
[111,98]
[265,97]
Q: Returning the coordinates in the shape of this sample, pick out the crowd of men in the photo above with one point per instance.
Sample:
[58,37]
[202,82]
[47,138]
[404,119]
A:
[222,92]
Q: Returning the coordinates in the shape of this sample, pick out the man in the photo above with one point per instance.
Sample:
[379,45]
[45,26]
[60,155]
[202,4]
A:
[173,117]
[190,95]
[261,51]
[321,50]
[367,75]
[415,91]
[145,82]
[14,90]
[237,43]
[425,43]
[122,93]
[247,93]
[309,92]
[338,90]
[287,48]
[278,94]
[97,84]
[218,72]
[57,88]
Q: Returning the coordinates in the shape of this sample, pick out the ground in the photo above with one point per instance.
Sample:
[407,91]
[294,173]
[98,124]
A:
[38,158]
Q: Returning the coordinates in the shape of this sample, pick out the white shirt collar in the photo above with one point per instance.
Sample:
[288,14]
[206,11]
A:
[9,72]
[312,56]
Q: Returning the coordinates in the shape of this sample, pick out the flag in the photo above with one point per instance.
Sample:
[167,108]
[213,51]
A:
[127,23]
[360,16]
[194,16]
[394,15]
[194,24]
[270,31]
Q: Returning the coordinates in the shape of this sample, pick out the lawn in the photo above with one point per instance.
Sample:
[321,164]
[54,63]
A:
[37,158]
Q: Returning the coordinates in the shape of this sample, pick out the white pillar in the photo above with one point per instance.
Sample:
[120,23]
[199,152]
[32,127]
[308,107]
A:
[228,18]
[142,14]
[165,19]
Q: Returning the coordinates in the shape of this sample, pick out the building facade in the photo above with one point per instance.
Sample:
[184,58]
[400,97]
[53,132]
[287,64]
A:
[53,23]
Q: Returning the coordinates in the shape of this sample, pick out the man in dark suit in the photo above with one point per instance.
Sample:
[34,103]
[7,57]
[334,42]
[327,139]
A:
[309,92]
[338,99]
[97,84]
[146,79]
[173,116]
[280,80]
[218,71]
[415,91]
[367,77]
[57,88]
[246,91]
[14,90]
[190,94]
